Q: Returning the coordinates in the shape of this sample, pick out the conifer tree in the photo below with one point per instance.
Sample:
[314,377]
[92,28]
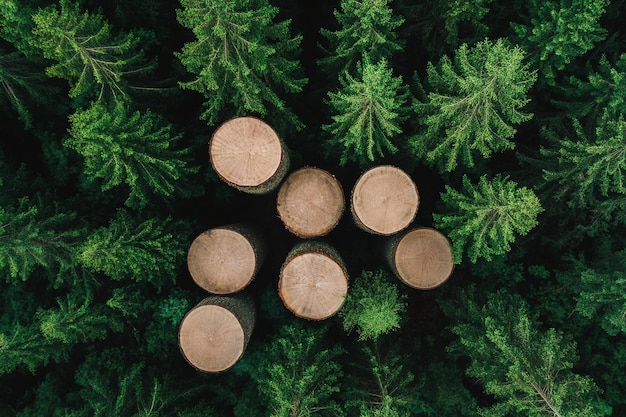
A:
[589,167]
[604,89]
[472,104]
[16,25]
[527,370]
[85,52]
[32,237]
[299,374]
[122,146]
[559,31]
[241,58]
[367,28]
[483,219]
[52,332]
[373,306]
[367,114]
[129,249]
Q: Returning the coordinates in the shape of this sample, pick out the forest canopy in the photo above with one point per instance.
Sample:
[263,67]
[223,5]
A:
[508,116]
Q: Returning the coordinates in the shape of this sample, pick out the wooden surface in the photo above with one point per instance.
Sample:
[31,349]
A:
[310,202]
[313,285]
[423,258]
[245,151]
[221,261]
[384,200]
[211,338]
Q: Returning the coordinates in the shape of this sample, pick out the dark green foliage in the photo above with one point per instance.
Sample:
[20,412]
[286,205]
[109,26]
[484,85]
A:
[558,31]
[300,374]
[483,219]
[367,28]
[34,235]
[241,57]
[472,104]
[134,250]
[373,306]
[367,114]
[527,370]
[122,146]
[588,167]
[602,90]
[86,52]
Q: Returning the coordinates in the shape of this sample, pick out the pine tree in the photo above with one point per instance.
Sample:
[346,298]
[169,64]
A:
[589,167]
[373,306]
[367,29]
[472,104]
[560,31]
[86,52]
[367,114]
[603,90]
[53,332]
[129,249]
[241,58]
[33,237]
[299,374]
[121,146]
[528,371]
[483,219]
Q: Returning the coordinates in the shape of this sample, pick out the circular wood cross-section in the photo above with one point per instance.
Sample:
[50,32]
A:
[313,284]
[310,202]
[221,261]
[384,200]
[423,258]
[246,153]
[211,338]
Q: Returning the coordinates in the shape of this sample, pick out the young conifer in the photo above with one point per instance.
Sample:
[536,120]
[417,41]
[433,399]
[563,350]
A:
[472,104]
[367,112]
[483,219]
[241,58]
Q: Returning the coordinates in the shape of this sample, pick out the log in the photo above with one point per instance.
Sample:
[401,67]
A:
[225,259]
[313,281]
[214,334]
[384,200]
[310,202]
[248,154]
[421,258]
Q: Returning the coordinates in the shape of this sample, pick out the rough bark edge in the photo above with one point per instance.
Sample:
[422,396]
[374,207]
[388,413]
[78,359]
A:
[241,306]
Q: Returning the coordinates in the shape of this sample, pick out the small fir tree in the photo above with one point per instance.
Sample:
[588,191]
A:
[483,219]
[472,104]
[373,306]
[129,249]
[559,31]
[528,371]
[121,146]
[241,58]
[367,114]
[299,374]
[366,28]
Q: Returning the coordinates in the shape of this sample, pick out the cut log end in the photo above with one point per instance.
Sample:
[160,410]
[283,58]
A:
[423,258]
[313,285]
[384,200]
[310,202]
[222,261]
[246,152]
[211,338]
